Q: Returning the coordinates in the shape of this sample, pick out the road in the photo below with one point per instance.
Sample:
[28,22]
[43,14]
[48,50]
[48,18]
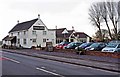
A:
[16,64]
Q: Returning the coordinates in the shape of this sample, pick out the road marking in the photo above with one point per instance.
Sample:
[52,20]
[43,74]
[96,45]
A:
[49,72]
[12,60]
[42,67]
[3,58]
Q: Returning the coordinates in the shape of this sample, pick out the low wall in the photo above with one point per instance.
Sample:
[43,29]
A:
[107,54]
[94,53]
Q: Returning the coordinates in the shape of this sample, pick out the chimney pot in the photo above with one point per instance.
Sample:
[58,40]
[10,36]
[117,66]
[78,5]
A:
[18,21]
[38,16]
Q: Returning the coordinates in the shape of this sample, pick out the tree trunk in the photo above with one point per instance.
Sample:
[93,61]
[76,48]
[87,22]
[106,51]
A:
[115,29]
[108,29]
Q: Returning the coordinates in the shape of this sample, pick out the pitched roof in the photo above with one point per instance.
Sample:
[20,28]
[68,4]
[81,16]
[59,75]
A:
[81,35]
[24,25]
[59,32]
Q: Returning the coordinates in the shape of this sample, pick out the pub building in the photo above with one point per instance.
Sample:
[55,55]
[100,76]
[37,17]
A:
[30,33]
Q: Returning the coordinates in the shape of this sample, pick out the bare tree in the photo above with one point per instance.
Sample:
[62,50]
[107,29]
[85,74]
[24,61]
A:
[95,17]
[104,32]
[114,15]
[104,14]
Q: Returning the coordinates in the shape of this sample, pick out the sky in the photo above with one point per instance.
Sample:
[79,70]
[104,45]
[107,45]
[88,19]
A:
[60,13]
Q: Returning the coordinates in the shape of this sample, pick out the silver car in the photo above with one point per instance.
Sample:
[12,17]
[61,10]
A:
[112,47]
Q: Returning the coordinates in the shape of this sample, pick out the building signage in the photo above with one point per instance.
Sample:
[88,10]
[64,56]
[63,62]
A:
[38,28]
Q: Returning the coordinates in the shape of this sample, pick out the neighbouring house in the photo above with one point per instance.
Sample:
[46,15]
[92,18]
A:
[62,34]
[30,33]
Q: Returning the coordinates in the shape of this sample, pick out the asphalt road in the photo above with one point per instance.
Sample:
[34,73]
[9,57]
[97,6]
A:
[16,64]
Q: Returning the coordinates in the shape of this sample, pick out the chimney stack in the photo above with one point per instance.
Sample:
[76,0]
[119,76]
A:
[72,27]
[38,16]
[18,21]
[56,26]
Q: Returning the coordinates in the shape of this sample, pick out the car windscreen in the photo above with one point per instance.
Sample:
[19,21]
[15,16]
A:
[94,45]
[71,44]
[83,45]
[112,45]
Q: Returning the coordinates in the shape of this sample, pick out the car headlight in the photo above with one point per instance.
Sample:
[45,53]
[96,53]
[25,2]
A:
[111,50]
[76,47]
[92,48]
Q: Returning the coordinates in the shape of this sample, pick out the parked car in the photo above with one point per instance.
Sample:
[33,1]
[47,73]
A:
[112,47]
[83,46]
[72,45]
[115,41]
[96,47]
[61,45]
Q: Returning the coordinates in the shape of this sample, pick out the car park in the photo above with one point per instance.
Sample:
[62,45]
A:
[112,47]
[96,47]
[72,45]
[61,45]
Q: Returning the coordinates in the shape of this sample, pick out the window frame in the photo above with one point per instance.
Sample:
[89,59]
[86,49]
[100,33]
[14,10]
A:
[44,39]
[24,32]
[34,40]
[24,41]
[33,32]
[44,32]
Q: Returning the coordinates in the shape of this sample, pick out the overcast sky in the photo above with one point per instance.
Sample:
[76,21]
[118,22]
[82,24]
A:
[63,13]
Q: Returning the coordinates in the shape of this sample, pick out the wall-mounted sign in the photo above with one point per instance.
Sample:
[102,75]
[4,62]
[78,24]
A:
[38,28]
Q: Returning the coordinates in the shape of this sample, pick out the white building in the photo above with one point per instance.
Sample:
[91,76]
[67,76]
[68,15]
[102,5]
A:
[30,33]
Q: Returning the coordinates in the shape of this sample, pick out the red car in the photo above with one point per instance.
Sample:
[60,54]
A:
[61,45]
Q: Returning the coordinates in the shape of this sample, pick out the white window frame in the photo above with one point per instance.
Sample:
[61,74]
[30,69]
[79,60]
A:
[24,32]
[25,41]
[18,33]
[33,32]
[34,40]
[44,32]
[44,39]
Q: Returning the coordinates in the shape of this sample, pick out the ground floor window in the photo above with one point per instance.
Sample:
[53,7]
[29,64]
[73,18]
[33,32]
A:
[34,40]
[24,41]
[44,40]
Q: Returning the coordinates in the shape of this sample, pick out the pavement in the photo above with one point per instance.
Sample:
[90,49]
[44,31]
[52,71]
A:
[105,63]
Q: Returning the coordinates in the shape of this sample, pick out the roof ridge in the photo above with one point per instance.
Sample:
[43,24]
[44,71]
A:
[28,21]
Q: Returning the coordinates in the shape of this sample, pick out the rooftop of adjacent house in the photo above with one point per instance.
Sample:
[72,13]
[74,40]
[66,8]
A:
[25,25]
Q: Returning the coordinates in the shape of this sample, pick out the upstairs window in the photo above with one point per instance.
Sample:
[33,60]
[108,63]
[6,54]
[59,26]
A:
[44,32]
[34,32]
[24,32]
[18,33]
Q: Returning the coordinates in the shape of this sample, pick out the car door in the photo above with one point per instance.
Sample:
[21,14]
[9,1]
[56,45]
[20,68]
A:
[101,46]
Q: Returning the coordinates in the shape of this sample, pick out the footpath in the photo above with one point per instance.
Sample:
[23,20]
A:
[104,63]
